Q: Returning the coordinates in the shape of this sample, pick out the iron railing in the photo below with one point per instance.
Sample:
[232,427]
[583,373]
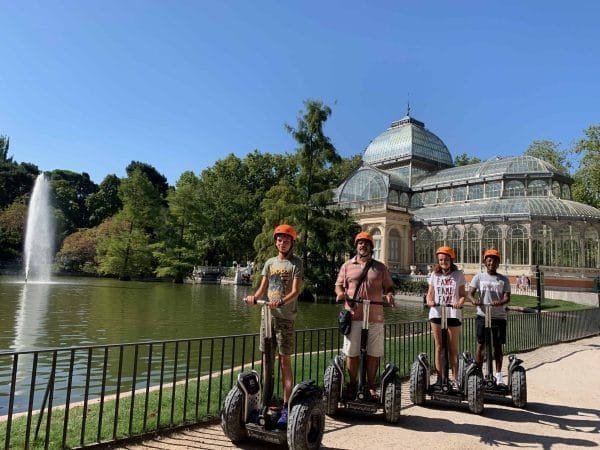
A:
[81,396]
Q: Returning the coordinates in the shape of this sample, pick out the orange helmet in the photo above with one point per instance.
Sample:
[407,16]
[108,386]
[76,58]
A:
[445,250]
[364,236]
[491,252]
[284,228]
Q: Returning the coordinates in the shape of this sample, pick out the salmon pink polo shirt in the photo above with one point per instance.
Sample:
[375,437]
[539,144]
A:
[377,282]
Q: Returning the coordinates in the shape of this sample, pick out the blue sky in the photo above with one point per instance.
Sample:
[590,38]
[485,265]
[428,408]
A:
[89,86]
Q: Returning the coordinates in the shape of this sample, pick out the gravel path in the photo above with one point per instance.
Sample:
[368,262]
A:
[563,390]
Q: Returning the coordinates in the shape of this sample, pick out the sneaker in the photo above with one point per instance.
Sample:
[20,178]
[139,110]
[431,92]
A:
[283,418]
[454,385]
[499,379]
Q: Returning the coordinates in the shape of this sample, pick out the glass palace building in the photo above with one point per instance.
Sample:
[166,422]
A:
[412,199]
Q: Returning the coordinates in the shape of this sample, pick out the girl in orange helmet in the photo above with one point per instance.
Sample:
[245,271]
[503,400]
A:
[446,286]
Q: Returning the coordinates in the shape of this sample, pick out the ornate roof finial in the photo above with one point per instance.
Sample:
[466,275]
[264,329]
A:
[408,108]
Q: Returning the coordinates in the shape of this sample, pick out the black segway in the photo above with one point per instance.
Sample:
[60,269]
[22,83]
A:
[517,380]
[388,389]
[248,410]
[470,385]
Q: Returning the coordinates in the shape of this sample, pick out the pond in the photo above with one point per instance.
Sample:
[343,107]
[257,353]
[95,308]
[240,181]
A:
[84,311]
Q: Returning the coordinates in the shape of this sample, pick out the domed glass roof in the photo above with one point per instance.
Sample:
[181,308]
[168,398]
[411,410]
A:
[405,139]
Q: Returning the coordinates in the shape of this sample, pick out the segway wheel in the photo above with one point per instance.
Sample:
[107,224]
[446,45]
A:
[464,360]
[518,382]
[306,424]
[232,420]
[475,392]
[332,381]
[418,384]
[391,401]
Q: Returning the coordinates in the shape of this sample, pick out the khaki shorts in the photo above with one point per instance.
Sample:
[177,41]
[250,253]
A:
[283,334]
[374,343]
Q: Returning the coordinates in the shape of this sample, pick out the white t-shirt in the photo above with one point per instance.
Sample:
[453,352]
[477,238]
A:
[491,288]
[446,291]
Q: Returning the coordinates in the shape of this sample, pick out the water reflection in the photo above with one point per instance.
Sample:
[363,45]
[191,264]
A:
[30,315]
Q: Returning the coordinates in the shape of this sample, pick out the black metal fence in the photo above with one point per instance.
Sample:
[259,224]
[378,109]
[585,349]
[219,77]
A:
[82,396]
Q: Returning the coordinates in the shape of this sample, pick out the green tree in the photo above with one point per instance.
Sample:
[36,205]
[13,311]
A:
[12,229]
[71,189]
[16,180]
[305,202]
[105,202]
[316,155]
[550,152]
[229,212]
[4,145]
[463,159]
[158,180]
[78,252]
[176,252]
[586,188]
[126,251]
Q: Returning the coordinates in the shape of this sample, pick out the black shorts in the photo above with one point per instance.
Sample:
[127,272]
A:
[498,330]
[452,322]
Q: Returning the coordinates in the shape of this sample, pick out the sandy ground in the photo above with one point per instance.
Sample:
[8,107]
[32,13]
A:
[563,411]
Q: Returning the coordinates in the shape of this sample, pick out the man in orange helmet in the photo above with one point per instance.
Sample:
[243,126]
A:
[281,282]
[494,289]
[377,282]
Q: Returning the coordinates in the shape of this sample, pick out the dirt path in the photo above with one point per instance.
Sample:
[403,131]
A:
[563,388]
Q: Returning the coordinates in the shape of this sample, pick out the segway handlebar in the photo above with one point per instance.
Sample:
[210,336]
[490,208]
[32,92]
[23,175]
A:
[372,302]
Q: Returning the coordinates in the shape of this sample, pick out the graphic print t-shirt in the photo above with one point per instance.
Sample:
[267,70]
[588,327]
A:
[281,274]
[491,288]
[446,291]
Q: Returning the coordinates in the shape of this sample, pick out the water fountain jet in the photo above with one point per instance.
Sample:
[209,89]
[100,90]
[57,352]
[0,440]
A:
[39,235]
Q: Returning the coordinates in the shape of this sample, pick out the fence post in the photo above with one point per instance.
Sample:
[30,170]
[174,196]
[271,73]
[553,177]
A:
[540,296]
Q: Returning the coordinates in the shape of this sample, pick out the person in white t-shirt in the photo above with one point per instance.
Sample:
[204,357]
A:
[494,289]
[446,287]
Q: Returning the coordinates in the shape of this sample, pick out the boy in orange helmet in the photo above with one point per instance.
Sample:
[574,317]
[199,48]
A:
[494,289]
[281,282]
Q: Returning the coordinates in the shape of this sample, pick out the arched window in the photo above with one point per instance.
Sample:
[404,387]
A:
[517,251]
[394,245]
[416,200]
[438,238]
[556,189]
[364,185]
[475,191]
[590,248]
[566,192]
[492,237]
[403,201]
[376,243]
[471,250]
[424,247]
[541,245]
[566,248]
[514,188]
[455,241]
[393,197]
[537,188]
[492,189]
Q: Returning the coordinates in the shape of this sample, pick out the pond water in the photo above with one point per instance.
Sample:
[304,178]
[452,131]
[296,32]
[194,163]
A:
[84,311]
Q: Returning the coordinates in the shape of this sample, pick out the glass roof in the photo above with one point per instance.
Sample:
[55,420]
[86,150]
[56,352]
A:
[506,209]
[405,139]
[521,165]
